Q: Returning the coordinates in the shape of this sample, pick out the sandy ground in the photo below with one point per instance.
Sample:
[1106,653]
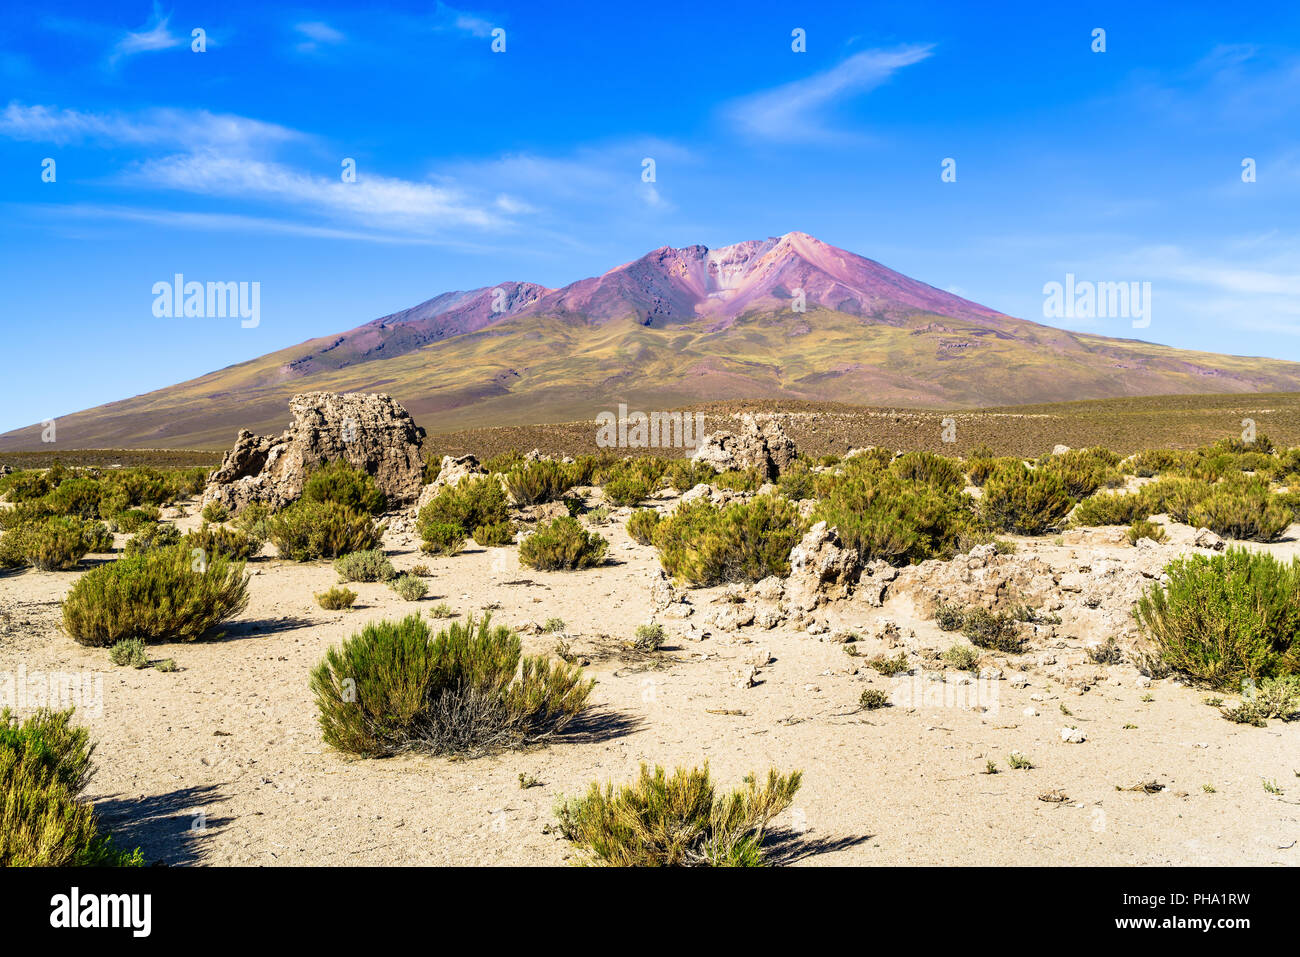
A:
[221,762]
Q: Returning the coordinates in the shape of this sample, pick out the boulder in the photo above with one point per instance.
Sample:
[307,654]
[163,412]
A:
[821,569]
[369,431]
[452,473]
[760,444]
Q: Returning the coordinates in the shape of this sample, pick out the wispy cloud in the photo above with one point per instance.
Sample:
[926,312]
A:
[191,129]
[155,35]
[800,108]
[316,34]
[473,24]
[374,201]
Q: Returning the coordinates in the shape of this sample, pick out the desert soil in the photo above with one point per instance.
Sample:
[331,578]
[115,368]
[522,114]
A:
[221,762]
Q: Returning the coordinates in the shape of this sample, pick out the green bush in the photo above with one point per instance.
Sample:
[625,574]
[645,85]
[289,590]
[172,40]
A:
[157,535]
[1176,496]
[535,482]
[254,520]
[155,595]
[1224,618]
[467,505]
[371,565]
[409,587]
[1151,462]
[129,652]
[45,764]
[563,544]
[55,544]
[979,469]
[684,474]
[214,512]
[1024,501]
[1144,529]
[392,687]
[641,525]
[677,821]
[309,530]
[494,535]
[627,489]
[441,538]
[340,483]
[927,468]
[1253,515]
[949,617]
[1083,471]
[798,482]
[336,598]
[220,540]
[75,497]
[743,541]
[996,631]
[888,519]
[1111,509]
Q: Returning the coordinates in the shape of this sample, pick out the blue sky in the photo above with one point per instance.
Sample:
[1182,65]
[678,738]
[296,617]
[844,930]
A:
[475,167]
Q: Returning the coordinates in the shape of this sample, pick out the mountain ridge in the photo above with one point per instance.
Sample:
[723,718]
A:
[787,317]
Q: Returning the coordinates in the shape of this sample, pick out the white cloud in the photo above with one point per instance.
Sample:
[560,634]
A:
[317,34]
[181,129]
[448,18]
[374,201]
[798,109]
[154,36]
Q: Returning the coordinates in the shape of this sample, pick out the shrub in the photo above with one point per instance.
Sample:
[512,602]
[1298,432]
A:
[797,482]
[336,598]
[993,630]
[156,535]
[641,525]
[215,512]
[219,540]
[1145,529]
[129,652]
[1176,497]
[75,497]
[441,538]
[980,468]
[744,541]
[626,490]
[370,565]
[1252,515]
[340,483]
[254,520]
[55,544]
[495,535]
[1274,698]
[873,698]
[1083,471]
[156,595]
[563,544]
[927,468]
[467,505]
[392,687]
[890,666]
[685,474]
[1224,618]
[895,521]
[134,519]
[409,587]
[535,482]
[649,637]
[962,657]
[1111,509]
[662,821]
[1150,462]
[310,530]
[1024,501]
[45,764]
[949,617]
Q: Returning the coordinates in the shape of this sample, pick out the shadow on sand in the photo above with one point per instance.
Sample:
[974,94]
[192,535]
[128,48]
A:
[166,827]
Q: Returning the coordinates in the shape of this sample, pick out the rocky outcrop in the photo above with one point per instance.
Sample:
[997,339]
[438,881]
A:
[760,444]
[453,472]
[821,569]
[369,431]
